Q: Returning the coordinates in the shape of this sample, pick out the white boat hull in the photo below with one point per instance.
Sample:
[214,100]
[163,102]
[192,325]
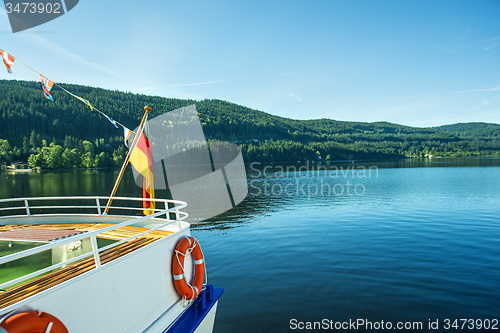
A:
[133,293]
[207,324]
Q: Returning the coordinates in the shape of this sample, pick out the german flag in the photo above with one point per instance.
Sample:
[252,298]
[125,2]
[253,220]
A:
[142,161]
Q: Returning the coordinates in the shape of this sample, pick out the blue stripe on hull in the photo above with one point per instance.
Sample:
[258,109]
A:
[194,315]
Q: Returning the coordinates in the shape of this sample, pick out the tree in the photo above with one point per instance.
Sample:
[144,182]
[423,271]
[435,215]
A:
[55,158]
[88,160]
[35,160]
[262,137]
[88,147]
[26,145]
[119,155]
[5,150]
[103,160]
[68,143]
[71,158]
[35,140]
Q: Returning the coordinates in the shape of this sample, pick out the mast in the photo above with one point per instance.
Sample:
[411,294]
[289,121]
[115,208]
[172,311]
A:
[147,109]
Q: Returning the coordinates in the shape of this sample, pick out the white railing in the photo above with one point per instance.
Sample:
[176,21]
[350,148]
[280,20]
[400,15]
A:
[28,209]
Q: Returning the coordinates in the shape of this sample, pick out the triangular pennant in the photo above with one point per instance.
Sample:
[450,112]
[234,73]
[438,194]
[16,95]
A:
[8,60]
[111,120]
[126,134]
[47,86]
[85,101]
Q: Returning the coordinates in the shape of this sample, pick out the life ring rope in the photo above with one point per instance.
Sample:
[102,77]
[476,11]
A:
[180,279]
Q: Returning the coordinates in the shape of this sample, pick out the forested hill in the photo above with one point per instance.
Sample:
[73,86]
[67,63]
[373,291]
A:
[66,133]
[472,130]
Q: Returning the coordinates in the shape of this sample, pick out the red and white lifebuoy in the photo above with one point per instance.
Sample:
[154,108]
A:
[32,322]
[184,247]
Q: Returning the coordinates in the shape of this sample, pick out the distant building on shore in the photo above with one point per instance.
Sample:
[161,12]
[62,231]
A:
[19,165]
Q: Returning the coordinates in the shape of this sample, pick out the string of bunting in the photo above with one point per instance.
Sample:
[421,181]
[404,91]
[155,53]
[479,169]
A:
[47,85]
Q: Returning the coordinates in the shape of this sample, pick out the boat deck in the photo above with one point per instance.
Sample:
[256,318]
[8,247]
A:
[116,234]
[51,279]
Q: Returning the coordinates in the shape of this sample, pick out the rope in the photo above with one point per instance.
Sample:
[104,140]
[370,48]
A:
[56,84]
[93,107]
[189,250]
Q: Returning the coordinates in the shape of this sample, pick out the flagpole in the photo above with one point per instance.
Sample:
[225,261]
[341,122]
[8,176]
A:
[147,109]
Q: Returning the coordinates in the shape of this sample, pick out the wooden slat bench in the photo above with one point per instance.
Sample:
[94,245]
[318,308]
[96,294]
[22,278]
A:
[49,280]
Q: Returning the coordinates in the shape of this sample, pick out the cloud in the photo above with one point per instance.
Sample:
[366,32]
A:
[492,46]
[202,83]
[62,52]
[447,50]
[491,41]
[466,34]
[227,80]
[165,92]
[486,44]
[4,19]
[456,92]
[142,89]
[297,97]
[473,91]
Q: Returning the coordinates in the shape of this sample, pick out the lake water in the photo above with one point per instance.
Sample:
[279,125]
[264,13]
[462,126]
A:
[397,242]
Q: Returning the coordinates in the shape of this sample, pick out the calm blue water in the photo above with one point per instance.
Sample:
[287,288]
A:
[399,244]
[418,244]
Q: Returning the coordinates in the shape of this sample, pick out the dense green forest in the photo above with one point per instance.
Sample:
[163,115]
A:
[67,134]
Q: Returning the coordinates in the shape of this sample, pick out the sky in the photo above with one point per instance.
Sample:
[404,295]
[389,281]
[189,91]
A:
[413,62]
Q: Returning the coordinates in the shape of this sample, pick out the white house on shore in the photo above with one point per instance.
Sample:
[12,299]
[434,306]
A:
[19,165]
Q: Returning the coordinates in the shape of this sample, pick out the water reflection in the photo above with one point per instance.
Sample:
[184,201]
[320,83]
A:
[420,242]
[257,167]
[345,187]
[402,186]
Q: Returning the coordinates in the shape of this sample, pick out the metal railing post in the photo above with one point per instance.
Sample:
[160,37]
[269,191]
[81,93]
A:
[98,206]
[167,215]
[27,207]
[177,218]
[95,250]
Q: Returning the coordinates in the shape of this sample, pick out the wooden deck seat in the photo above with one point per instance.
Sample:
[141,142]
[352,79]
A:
[46,281]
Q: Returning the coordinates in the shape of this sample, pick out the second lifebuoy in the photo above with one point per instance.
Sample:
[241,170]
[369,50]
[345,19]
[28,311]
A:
[33,322]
